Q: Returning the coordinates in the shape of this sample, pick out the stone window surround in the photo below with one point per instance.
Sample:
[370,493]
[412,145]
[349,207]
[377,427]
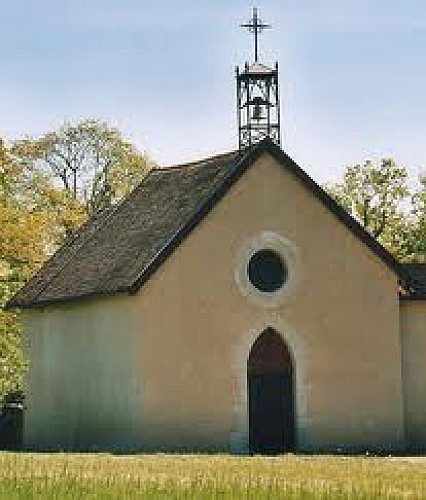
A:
[267,240]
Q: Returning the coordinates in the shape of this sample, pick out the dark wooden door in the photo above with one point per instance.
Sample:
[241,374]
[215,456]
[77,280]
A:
[270,391]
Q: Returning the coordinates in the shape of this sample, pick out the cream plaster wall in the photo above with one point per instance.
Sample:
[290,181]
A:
[340,321]
[413,331]
[83,389]
[168,366]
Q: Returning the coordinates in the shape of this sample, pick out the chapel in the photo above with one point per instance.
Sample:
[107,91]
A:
[228,304]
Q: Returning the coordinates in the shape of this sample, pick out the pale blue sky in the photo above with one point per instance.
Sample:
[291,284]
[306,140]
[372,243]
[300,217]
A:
[353,74]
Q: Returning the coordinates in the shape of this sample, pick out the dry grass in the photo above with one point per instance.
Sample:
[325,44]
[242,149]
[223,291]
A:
[208,476]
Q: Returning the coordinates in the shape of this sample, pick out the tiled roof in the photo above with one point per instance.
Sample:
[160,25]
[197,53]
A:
[417,280]
[111,251]
[119,250]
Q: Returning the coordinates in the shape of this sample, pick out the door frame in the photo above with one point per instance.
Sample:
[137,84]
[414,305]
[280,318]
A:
[239,435]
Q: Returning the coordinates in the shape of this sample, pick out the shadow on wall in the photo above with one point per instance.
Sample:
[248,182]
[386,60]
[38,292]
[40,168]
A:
[12,422]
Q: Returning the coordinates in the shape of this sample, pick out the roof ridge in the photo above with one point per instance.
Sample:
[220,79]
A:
[198,162]
[236,169]
[200,197]
[186,227]
[341,213]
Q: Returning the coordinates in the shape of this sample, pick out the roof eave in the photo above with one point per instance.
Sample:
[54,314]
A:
[246,159]
[415,298]
[352,224]
[236,170]
[40,303]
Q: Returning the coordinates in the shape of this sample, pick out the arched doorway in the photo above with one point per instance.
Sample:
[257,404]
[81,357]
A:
[270,395]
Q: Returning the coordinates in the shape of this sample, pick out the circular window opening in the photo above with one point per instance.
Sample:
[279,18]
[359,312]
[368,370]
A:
[267,271]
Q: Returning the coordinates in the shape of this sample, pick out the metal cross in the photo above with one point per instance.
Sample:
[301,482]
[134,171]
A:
[255,26]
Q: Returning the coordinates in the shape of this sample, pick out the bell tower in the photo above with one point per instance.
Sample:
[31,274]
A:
[258,103]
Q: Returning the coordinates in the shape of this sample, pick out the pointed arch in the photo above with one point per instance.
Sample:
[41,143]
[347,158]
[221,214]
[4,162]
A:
[270,381]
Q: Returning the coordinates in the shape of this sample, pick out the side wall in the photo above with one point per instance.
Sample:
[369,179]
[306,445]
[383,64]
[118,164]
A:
[413,330]
[83,391]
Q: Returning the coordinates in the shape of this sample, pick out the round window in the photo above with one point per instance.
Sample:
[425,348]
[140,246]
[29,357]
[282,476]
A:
[267,271]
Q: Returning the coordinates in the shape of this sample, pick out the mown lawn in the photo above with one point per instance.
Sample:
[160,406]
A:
[25,475]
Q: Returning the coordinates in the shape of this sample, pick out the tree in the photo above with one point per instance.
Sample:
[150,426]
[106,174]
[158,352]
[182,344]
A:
[12,362]
[418,236]
[90,161]
[374,194]
[12,259]
[48,187]
[28,228]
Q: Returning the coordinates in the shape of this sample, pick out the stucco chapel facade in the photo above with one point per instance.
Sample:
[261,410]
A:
[231,305]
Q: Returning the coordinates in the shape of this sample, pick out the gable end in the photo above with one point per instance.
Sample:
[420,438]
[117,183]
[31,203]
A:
[104,242]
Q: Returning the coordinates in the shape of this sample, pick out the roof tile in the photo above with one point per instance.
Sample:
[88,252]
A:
[117,251]
[108,253]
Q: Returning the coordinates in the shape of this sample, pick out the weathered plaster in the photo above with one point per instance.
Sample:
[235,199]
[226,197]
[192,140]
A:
[167,368]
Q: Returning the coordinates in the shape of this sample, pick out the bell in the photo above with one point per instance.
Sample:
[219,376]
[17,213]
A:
[257,112]
[258,103]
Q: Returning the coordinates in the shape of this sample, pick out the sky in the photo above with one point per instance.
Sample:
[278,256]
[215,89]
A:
[352,75]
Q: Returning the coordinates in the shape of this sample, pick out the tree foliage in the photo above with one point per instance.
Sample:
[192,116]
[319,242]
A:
[12,362]
[15,249]
[375,195]
[418,233]
[90,161]
[48,187]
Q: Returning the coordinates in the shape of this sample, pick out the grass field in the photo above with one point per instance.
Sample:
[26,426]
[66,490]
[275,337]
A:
[25,475]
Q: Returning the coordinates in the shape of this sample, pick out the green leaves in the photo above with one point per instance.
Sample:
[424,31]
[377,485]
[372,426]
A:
[89,160]
[418,236]
[48,187]
[378,196]
[12,363]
